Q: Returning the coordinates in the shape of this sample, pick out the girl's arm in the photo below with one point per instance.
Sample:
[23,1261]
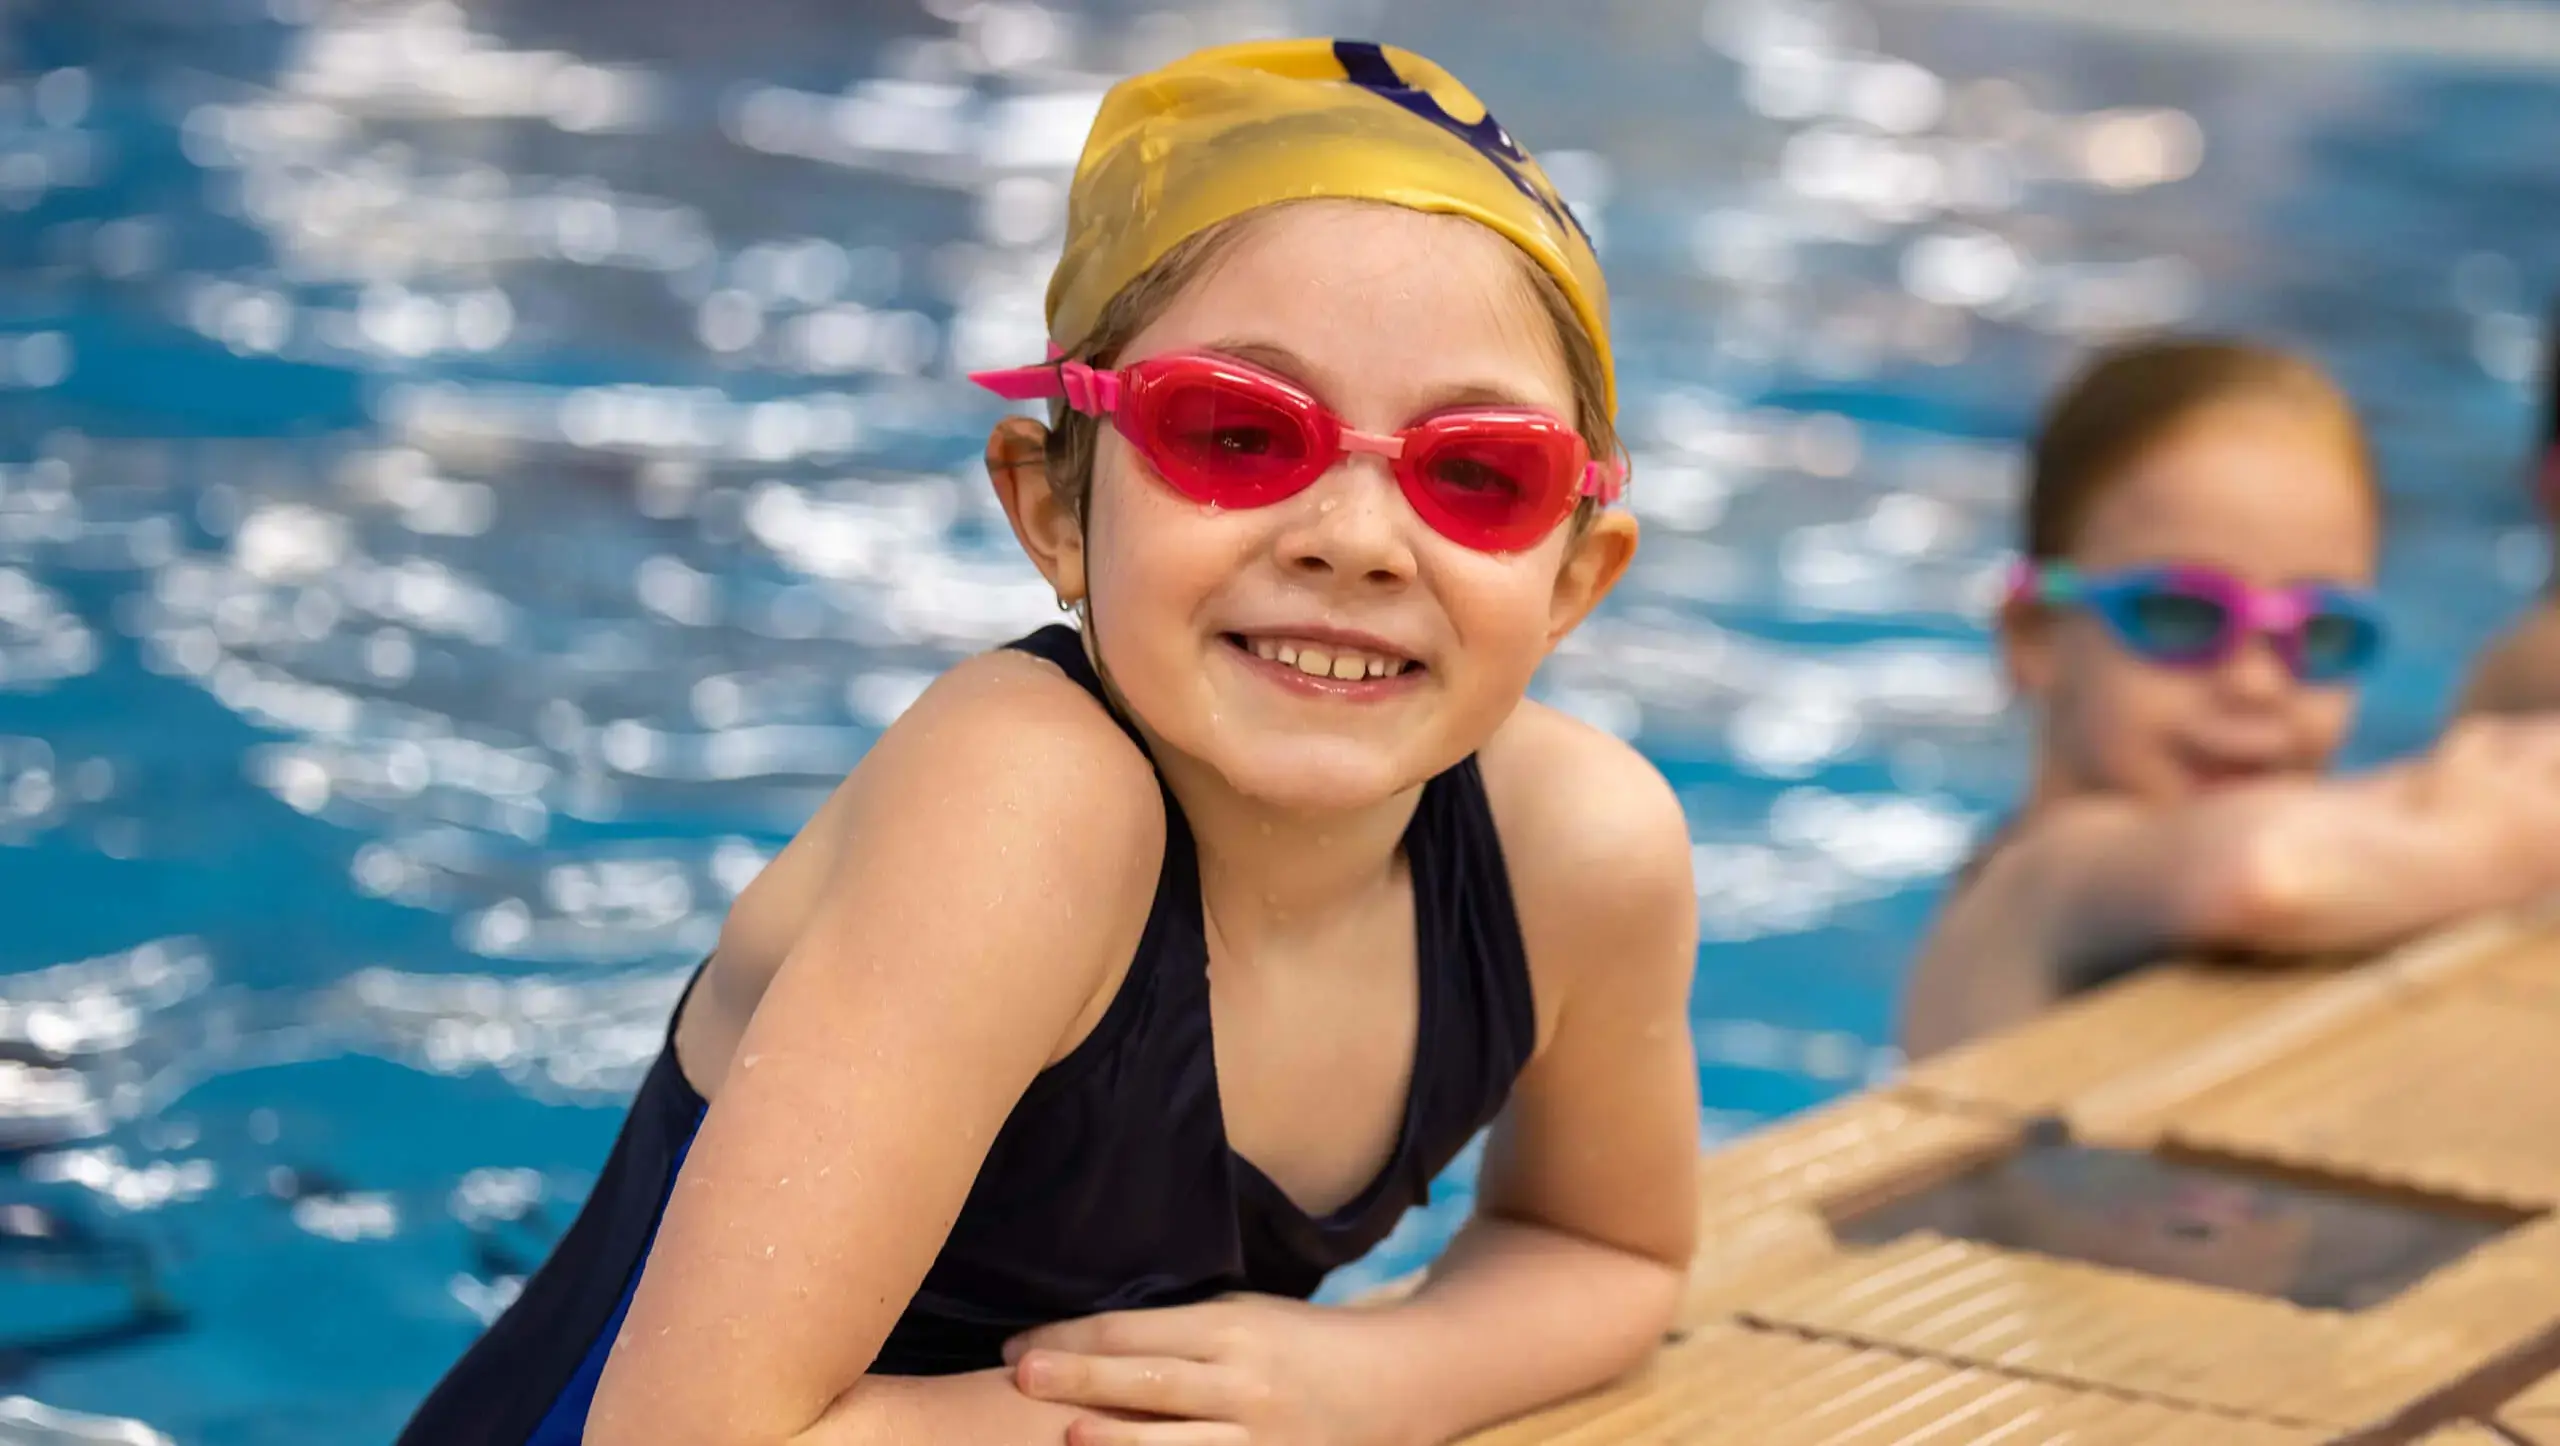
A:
[980,1408]
[1586,1208]
[2280,867]
[2080,888]
[999,854]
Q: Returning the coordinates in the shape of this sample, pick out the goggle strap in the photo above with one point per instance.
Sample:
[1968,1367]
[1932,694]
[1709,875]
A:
[1605,480]
[1083,388]
[1022,384]
[2046,582]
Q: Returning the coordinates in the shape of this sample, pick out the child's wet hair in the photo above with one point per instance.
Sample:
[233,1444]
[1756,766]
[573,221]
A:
[1073,434]
[2126,400]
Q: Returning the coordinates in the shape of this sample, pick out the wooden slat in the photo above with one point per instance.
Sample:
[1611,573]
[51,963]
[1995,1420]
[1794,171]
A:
[1729,1386]
[1739,1257]
[2109,1329]
[2497,1297]
[2534,1415]
[2140,1021]
[2452,1095]
[2463,1433]
[1842,1156]
[2533,969]
[1766,1200]
[2133,1109]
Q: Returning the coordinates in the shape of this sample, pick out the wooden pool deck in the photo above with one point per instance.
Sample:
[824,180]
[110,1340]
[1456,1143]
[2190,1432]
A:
[2426,1080]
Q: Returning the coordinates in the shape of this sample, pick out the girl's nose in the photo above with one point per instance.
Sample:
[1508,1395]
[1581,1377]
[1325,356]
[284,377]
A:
[2256,671]
[1350,526]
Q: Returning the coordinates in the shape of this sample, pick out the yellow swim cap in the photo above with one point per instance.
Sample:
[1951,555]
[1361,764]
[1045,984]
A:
[1238,127]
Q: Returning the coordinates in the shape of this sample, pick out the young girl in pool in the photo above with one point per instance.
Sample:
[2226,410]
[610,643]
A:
[2193,610]
[2520,673]
[1145,972]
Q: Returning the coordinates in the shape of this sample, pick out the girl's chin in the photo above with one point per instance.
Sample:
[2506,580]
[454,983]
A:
[1314,780]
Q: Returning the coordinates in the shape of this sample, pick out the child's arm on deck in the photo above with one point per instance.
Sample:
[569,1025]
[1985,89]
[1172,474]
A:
[2293,866]
[1586,1208]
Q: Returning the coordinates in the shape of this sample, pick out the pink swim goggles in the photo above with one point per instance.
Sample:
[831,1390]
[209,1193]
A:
[1223,433]
[2186,616]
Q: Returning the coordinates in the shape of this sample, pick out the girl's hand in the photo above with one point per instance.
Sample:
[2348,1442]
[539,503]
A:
[2501,775]
[1244,1370]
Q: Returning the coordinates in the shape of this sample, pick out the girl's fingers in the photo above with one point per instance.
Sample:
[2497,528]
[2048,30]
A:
[1192,1332]
[1156,1385]
[1094,1431]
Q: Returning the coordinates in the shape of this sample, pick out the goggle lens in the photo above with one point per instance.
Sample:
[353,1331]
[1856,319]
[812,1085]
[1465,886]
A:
[1496,482]
[2338,645]
[1219,441]
[2192,616]
[2179,626]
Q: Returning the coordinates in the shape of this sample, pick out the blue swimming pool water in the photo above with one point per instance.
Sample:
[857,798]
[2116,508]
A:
[470,479]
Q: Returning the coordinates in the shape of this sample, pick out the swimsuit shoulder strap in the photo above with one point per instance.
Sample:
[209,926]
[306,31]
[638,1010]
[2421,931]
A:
[1064,646]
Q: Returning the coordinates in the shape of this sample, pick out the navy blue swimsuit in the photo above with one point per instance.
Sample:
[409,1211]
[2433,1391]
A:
[1111,1186]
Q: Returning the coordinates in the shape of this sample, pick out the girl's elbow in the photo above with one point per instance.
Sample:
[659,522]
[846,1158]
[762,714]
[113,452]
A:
[1667,1287]
[1651,1314]
[1654,1281]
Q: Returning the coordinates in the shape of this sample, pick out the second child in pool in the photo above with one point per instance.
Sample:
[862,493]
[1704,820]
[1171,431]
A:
[2192,613]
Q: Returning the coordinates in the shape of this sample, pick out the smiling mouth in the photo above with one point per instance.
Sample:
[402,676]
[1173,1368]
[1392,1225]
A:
[2209,769]
[1330,661]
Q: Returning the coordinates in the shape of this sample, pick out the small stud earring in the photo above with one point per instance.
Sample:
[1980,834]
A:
[1065,606]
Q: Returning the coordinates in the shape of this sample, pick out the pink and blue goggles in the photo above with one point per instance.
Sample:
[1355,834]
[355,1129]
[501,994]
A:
[2184,616]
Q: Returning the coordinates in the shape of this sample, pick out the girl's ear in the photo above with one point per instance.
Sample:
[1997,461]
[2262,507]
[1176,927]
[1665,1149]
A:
[1044,522]
[1593,563]
[2027,646]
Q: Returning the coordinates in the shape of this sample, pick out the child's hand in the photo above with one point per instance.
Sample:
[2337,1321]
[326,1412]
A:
[2484,753]
[2504,772]
[1245,1370]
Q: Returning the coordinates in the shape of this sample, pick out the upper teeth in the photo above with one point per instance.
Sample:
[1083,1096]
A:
[1326,661]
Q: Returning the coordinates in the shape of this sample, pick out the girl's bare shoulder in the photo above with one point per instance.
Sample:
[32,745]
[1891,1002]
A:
[1571,798]
[1596,846]
[1011,715]
[1003,749]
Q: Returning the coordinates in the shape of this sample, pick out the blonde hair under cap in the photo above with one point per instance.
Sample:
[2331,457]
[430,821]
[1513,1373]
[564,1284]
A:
[1239,127]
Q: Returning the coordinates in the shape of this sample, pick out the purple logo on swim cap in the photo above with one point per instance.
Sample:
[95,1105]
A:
[1365,63]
